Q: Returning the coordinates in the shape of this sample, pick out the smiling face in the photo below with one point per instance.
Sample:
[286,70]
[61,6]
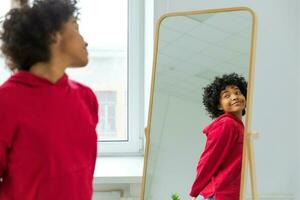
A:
[232,101]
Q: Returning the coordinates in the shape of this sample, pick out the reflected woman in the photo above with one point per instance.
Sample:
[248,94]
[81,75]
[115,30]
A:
[48,141]
[219,167]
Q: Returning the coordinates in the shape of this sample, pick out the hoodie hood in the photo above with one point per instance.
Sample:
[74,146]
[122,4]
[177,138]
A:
[225,116]
[28,79]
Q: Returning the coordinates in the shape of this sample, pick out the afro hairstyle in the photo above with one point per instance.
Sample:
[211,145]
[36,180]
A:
[29,31]
[211,94]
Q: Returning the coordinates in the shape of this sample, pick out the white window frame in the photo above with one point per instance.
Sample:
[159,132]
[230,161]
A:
[134,146]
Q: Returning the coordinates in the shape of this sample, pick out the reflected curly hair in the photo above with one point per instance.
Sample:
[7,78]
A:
[211,95]
[28,31]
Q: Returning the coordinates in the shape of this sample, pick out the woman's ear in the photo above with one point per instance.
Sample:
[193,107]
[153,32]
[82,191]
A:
[56,42]
[220,107]
[56,38]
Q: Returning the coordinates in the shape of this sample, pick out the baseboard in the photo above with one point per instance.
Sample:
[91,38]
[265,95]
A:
[107,196]
[271,196]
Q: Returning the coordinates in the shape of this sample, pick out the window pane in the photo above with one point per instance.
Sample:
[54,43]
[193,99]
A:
[107,113]
[4,71]
[103,25]
[4,7]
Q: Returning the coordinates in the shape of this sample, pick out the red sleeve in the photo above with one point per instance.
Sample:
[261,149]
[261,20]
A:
[94,105]
[3,161]
[95,111]
[96,108]
[7,129]
[218,145]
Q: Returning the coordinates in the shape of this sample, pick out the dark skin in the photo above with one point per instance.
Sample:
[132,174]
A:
[232,101]
[69,49]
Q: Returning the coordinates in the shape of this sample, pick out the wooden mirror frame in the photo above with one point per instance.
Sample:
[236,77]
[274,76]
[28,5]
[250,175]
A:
[248,156]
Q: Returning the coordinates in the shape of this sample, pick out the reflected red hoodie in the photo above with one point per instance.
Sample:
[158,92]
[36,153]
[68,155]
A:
[219,167]
[47,139]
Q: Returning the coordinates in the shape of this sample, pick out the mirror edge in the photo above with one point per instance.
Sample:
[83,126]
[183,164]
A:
[247,148]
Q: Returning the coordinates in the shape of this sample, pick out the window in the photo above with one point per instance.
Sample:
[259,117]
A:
[114,32]
[4,71]
[104,25]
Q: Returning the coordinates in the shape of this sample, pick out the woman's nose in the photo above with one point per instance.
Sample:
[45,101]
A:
[233,97]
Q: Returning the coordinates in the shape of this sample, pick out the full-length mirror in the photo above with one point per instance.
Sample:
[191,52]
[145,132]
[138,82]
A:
[194,140]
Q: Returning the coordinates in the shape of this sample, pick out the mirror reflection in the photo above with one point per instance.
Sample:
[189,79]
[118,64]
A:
[198,108]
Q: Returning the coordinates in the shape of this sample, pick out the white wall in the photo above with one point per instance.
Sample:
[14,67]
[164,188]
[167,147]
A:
[298,99]
[275,108]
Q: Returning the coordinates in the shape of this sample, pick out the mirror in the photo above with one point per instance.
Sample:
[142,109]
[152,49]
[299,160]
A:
[192,48]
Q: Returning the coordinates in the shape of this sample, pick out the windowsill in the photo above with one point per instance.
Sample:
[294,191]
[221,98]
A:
[115,170]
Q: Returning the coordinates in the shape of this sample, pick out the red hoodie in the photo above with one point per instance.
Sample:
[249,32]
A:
[48,141]
[219,167]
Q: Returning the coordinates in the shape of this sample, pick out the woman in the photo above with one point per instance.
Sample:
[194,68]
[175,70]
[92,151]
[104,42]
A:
[47,121]
[219,167]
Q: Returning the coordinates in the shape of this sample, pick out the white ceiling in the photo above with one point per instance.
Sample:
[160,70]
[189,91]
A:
[193,49]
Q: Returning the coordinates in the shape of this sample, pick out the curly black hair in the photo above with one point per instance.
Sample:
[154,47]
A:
[28,31]
[211,95]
